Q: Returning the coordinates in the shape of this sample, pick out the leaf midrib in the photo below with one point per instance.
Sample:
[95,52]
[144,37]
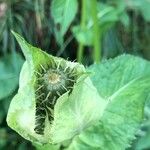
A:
[122,88]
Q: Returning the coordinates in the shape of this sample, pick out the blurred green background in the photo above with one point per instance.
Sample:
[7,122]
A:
[72,32]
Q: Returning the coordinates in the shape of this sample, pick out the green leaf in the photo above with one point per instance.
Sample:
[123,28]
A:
[73,112]
[63,13]
[80,110]
[84,36]
[125,83]
[10,66]
[116,73]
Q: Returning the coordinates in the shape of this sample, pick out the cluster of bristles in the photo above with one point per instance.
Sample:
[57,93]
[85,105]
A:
[51,82]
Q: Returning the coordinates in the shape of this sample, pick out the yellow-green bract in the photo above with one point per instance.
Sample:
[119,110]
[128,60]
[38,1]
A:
[74,110]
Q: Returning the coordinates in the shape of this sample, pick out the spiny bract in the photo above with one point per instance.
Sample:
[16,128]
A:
[52,80]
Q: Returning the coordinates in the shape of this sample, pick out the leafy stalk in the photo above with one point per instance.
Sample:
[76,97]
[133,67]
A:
[83,23]
[96,33]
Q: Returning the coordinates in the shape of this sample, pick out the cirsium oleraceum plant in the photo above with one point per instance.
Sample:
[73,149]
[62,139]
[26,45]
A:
[61,101]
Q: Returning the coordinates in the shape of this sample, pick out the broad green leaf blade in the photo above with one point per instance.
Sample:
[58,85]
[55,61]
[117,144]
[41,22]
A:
[21,112]
[63,13]
[10,66]
[110,76]
[33,55]
[126,100]
[78,111]
[84,36]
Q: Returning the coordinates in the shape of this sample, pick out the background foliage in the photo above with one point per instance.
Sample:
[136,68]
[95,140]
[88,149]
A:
[67,28]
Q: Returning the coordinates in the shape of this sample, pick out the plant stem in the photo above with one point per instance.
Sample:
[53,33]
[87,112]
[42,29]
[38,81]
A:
[96,33]
[83,24]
